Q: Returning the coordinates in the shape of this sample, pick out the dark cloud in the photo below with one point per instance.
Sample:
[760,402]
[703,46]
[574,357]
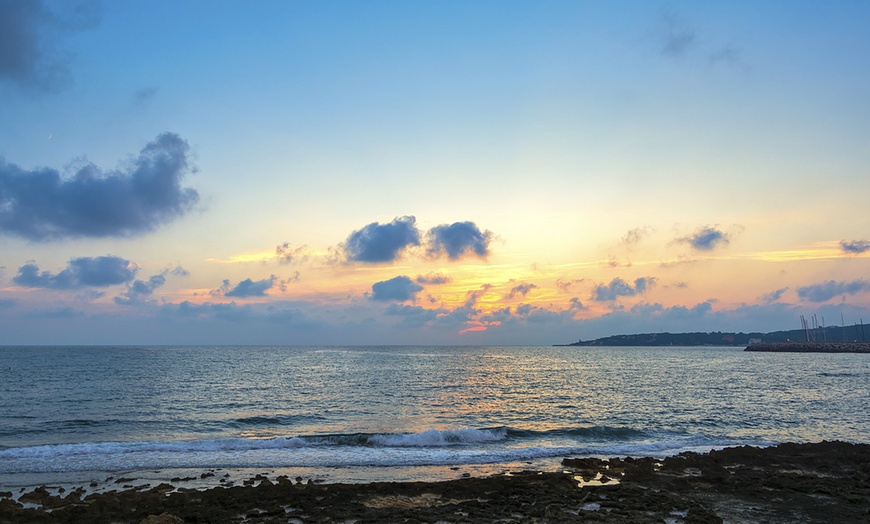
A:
[459,239]
[855,247]
[641,284]
[56,313]
[399,289]
[247,288]
[537,315]
[576,304]
[80,272]
[29,34]
[40,205]
[773,296]
[382,242]
[413,315]
[433,278]
[620,288]
[521,289]
[140,290]
[287,253]
[705,239]
[830,289]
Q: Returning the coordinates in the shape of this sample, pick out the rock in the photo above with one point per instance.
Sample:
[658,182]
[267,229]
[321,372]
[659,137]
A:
[163,518]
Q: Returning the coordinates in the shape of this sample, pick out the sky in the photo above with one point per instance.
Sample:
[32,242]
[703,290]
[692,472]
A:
[439,172]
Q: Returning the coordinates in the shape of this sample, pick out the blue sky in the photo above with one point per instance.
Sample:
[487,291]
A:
[429,172]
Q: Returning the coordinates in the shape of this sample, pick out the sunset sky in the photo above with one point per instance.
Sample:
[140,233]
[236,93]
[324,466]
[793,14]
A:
[444,172]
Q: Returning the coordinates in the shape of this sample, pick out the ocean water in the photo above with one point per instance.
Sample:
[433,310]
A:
[405,412]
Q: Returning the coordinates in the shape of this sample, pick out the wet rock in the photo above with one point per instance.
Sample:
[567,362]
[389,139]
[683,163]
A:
[163,518]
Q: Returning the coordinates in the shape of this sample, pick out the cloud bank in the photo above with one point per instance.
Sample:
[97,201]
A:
[399,289]
[830,289]
[620,288]
[80,273]
[40,205]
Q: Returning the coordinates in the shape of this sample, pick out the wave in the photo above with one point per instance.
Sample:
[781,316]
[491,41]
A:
[273,420]
[426,448]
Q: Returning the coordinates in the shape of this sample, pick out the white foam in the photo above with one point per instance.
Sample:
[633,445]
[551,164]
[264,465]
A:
[437,438]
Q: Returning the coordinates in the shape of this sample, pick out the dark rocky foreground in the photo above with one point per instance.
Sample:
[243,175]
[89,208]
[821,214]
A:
[824,482]
[812,347]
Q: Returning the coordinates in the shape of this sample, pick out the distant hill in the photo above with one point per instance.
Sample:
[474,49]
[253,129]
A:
[721,338]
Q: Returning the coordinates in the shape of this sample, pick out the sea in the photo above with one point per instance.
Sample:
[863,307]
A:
[84,414]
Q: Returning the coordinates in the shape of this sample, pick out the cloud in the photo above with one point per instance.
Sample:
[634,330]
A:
[565,286]
[140,290]
[56,313]
[727,55]
[40,205]
[143,96]
[179,271]
[705,239]
[676,38]
[28,38]
[641,284]
[473,297]
[7,303]
[830,289]
[80,272]
[413,315]
[247,288]
[399,289]
[576,304]
[537,315]
[433,278]
[230,311]
[286,253]
[855,247]
[773,296]
[634,236]
[376,242]
[522,289]
[459,239]
[620,288]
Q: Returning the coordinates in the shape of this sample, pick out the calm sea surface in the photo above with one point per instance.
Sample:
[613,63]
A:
[400,412]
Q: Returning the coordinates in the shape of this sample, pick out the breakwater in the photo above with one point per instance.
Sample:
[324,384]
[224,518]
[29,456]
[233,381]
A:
[812,347]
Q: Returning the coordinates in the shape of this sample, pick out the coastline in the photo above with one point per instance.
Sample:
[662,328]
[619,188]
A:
[818,482]
[811,347]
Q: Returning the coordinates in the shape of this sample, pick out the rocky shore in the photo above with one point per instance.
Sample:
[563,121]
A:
[812,347]
[823,482]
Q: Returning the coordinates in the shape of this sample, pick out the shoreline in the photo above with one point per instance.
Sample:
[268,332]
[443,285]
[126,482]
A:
[811,347]
[817,482]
